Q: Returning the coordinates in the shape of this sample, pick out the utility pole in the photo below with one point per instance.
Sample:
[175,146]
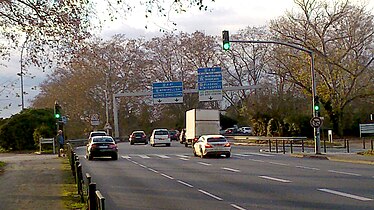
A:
[225,38]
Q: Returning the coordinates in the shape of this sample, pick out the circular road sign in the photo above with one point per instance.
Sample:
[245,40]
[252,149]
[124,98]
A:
[316,122]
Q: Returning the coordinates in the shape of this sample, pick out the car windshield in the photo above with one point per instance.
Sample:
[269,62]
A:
[161,132]
[98,134]
[104,139]
[216,139]
[139,134]
[172,132]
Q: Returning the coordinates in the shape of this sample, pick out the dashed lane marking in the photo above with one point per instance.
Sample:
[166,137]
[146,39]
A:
[275,179]
[309,168]
[345,173]
[237,207]
[231,169]
[211,195]
[280,164]
[345,194]
[204,164]
[185,184]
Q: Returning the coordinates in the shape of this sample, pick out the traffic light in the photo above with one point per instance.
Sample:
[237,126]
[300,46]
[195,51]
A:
[226,40]
[57,112]
[316,106]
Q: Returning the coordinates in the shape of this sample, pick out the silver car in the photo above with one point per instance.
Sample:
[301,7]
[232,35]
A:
[212,145]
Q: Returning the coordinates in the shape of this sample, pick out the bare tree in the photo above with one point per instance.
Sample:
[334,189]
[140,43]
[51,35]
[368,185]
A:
[342,36]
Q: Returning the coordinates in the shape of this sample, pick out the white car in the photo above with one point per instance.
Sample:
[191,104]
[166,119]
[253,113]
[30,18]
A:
[246,130]
[212,145]
[160,136]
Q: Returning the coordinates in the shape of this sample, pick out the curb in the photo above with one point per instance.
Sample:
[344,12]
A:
[331,158]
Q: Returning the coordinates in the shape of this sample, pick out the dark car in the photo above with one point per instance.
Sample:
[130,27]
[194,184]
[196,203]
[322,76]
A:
[101,146]
[174,135]
[138,137]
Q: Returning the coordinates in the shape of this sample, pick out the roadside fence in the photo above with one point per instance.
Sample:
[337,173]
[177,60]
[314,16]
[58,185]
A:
[93,197]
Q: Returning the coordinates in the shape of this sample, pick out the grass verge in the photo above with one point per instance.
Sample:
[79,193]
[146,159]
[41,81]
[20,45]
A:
[367,153]
[71,198]
[2,165]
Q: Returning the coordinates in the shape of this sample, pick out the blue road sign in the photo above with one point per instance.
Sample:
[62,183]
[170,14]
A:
[208,70]
[210,83]
[167,92]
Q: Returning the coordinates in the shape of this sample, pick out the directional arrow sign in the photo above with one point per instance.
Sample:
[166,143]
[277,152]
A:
[210,84]
[167,92]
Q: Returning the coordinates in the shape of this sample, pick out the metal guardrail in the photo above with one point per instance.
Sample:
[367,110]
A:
[94,198]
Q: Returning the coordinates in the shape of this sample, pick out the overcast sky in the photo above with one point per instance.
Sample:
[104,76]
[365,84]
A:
[229,15]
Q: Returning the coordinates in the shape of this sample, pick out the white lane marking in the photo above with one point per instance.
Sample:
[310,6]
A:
[143,166]
[275,179]
[169,177]
[345,194]
[163,156]
[182,156]
[309,168]
[231,169]
[205,164]
[242,155]
[211,195]
[237,207]
[126,157]
[153,170]
[185,159]
[281,164]
[345,173]
[260,154]
[261,161]
[184,183]
[144,156]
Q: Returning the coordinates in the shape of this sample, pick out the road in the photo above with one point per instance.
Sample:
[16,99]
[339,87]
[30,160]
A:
[148,177]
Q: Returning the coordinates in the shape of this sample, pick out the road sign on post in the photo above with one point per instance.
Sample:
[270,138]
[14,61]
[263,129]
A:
[210,84]
[95,120]
[167,92]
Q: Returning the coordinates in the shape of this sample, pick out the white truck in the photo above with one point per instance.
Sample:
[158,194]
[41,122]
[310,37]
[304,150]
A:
[201,122]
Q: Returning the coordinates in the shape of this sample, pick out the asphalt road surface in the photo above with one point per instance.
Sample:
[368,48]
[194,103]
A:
[146,177]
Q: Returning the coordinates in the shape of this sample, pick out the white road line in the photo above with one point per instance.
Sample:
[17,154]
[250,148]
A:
[342,172]
[184,183]
[237,207]
[231,169]
[163,156]
[261,161]
[260,154]
[345,195]
[185,159]
[153,170]
[242,155]
[182,156]
[275,179]
[143,166]
[281,164]
[211,195]
[169,177]
[205,164]
[144,156]
[126,157]
[309,168]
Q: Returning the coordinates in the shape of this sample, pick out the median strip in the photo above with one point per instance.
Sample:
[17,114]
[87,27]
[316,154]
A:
[345,194]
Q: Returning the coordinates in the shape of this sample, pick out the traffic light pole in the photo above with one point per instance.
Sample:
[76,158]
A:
[317,142]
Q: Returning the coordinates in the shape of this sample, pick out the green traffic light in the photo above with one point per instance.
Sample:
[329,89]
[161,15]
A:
[226,45]
[316,107]
[57,116]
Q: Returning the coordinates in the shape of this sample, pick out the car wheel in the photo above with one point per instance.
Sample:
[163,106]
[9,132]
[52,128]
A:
[90,157]
[185,144]
[115,157]
[228,155]
[201,153]
[146,142]
[132,143]
[168,145]
[194,152]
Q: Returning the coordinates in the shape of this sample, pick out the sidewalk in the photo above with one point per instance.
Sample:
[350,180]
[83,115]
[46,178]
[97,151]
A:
[31,181]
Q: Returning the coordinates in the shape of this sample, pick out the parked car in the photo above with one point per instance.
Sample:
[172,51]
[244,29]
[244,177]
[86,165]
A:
[230,131]
[101,146]
[138,137]
[182,136]
[212,145]
[174,135]
[245,130]
[160,136]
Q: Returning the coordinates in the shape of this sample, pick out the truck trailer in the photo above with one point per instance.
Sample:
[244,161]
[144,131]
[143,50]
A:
[201,122]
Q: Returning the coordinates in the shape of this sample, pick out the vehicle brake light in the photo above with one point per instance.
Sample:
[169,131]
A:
[208,146]
[227,144]
[112,146]
[195,140]
[144,136]
[93,146]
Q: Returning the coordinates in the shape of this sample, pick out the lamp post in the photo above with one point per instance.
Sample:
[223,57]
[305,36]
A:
[317,142]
